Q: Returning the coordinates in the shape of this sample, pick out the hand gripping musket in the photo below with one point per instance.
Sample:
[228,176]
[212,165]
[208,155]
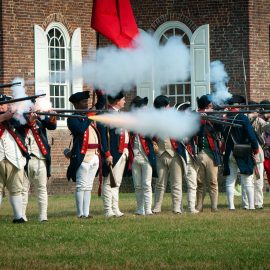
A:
[21,99]
[6,85]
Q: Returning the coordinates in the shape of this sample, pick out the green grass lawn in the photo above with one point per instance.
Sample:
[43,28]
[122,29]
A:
[223,240]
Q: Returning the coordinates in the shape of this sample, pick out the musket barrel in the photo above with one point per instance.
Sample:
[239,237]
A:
[219,121]
[21,99]
[76,111]
[59,115]
[6,85]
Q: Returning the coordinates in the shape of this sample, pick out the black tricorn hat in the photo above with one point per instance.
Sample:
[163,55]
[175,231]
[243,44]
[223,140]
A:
[138,102]
[204,101]
[77,97]
[118,96]
[236,99]
[161,101]
[4,97]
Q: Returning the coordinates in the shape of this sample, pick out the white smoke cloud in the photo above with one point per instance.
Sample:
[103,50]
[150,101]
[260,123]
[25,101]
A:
[163,123]
[42,103]
[116,69]
[219,78]
[19,91]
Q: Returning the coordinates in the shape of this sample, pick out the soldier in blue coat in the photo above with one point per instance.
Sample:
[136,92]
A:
[84,160]
[114,157]
[232,162]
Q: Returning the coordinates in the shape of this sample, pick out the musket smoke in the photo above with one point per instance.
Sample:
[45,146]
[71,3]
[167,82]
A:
[116,69]
[219,78]
[18,91]
[42,104]
[163,123]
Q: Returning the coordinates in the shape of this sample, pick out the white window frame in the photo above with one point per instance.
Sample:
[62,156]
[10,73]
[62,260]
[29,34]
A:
[73,56]
[158,35]
[64,32]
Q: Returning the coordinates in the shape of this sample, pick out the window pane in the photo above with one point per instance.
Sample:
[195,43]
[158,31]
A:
[57,64]
[61,42]
[185,39]
[62,53]
[62,92]
[51,53]
[62,79]
[179,32]
[188,89]
[172,101]
[51,90]
[52,101]
[169,33]
[62,102]
[172,90]
[63,65]
[57,53]
[56,90]
[180,99]
[180,89]
[57,67]
[57,33]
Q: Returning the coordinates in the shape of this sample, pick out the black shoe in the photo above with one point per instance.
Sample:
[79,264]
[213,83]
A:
[20,220]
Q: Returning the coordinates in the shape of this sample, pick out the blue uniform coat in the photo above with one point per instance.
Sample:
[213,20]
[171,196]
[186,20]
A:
[243,135]
[77,126]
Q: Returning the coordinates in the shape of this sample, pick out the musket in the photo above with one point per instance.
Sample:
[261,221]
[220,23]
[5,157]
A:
[76,111]
[223,106]
[217,121]
[21,99]
[240,111]
[112,178]
[222,119]
[60,115]
[245,78]
[6,85]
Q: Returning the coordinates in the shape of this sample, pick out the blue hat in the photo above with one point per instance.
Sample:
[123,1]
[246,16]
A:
[204,101]
[119,96]
[77,97]
[236,99]
[161,101]
[138,102]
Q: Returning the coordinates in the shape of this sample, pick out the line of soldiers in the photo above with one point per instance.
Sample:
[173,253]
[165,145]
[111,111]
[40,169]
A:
[196,159]
[25,158]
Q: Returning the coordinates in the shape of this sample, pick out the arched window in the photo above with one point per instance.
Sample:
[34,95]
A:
[58,56]
[55,53]
[180,91]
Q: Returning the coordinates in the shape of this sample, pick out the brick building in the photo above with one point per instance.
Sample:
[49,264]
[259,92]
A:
[39,39]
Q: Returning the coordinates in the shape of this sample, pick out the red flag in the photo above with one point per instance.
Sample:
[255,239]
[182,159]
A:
[114,19]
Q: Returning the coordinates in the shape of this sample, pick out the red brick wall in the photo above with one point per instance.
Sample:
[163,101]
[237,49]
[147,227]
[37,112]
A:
[259,14]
